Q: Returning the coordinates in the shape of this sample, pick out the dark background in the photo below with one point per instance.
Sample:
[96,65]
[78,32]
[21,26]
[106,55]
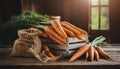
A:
[74,11]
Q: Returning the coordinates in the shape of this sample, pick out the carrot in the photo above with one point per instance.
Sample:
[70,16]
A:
[91,53]
[86,55]
[79,53]
[80,37]
[103,53]
[79,29]
[96,55]
[58,28]
[70,28]
[55,39]
[50,30]
[49,53]
[41,33]
[68,32]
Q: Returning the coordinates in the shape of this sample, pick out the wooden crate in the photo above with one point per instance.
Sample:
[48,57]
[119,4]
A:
[72,44]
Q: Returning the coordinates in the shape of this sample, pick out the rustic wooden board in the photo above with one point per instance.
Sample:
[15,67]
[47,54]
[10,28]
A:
[7,61]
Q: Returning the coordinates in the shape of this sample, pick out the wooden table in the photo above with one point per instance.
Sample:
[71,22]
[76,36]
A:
[8,62]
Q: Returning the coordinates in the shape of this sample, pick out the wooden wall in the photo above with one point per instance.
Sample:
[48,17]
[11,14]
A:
[74,11]
[115,21]
[9,8]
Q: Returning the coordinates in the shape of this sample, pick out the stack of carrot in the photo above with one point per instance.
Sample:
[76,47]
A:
[59,31]
[92,51]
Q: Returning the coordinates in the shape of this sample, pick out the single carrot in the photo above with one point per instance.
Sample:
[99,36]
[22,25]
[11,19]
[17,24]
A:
[96,55]
[58,28]
[50,30]
[40,32]
[103,53]
[49,53]
[79,53]
[80,37]
[70,28]
[68,32]
[86,55]
[77,28]
[55,39]
[91,53]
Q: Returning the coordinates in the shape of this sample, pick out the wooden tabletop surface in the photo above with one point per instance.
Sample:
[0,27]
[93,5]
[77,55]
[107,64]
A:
[7,60]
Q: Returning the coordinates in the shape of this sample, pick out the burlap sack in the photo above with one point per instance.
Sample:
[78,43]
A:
[27,39]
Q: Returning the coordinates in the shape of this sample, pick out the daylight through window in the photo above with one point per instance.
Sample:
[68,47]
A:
[99,14]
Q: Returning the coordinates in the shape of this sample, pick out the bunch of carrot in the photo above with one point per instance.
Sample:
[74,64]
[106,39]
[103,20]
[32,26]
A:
[59,31]
[92,51]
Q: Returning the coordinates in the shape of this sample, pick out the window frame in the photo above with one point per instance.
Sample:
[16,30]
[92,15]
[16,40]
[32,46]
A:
[99,6]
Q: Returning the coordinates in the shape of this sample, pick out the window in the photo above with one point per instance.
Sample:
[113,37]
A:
[99,14]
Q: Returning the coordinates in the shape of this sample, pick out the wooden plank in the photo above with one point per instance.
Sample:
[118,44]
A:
[6,59]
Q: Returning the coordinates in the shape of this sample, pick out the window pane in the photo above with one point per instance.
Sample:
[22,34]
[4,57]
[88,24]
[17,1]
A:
[104,18]
[94,18]
[94,2]
[104,2]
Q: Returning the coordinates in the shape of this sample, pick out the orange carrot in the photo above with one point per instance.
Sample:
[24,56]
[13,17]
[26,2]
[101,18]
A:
[91,53]
[79,29]
[96,55]
[49,53]
[86,55]
[68,32]
[80,37]
[70,28]
[41,33]
[79,53]
[50,30]
[103,53]
[55,39]
[58,28]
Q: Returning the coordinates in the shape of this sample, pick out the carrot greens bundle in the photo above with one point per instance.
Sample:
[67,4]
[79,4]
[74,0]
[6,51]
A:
[27,19]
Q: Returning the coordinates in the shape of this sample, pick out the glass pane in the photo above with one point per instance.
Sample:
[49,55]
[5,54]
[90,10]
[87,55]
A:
[94,2]
[104,18]
[104,2]
[94,18]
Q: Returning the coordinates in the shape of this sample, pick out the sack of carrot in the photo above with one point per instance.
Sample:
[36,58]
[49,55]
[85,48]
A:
[91,51]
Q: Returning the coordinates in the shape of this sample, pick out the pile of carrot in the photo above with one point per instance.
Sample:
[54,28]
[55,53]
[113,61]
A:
[59,31]
[91,51]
